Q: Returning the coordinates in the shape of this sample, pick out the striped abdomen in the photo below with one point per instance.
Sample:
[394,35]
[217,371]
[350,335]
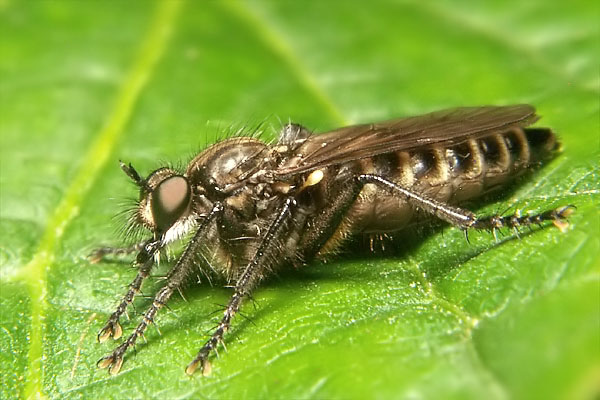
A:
[475,167]
[447,174]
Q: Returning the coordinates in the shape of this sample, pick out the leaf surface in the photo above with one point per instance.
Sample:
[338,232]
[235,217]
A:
[83,85]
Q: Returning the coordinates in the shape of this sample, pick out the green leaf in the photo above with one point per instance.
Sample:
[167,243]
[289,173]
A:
[83,84]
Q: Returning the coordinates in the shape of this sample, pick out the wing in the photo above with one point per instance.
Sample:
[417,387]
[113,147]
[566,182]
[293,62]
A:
[445,127]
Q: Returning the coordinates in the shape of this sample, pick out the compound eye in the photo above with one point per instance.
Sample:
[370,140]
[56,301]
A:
[170,200]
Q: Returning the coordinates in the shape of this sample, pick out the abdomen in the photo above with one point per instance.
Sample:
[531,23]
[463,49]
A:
[448,174]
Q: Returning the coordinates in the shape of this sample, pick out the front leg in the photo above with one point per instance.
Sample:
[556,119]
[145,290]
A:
[145,258]
[245,284]
[175,279]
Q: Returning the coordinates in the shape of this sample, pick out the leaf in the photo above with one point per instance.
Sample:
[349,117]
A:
[83,85]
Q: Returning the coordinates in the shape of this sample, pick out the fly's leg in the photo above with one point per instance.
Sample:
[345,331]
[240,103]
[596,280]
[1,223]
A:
[244,286]
[98,254]
[465,219]
[145,257]
[174,280]
[342,194]
[557,216]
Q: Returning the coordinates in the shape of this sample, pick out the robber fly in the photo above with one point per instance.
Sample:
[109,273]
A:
[248,208]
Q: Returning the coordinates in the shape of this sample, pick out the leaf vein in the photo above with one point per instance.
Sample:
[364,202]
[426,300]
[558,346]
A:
[35,272]
[276,42]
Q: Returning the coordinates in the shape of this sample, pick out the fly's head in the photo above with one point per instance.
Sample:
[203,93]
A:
[166,204]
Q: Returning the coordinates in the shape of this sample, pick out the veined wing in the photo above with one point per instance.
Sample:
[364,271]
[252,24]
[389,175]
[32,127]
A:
[445,127]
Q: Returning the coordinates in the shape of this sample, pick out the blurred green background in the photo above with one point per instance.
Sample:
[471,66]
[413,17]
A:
[85,83]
